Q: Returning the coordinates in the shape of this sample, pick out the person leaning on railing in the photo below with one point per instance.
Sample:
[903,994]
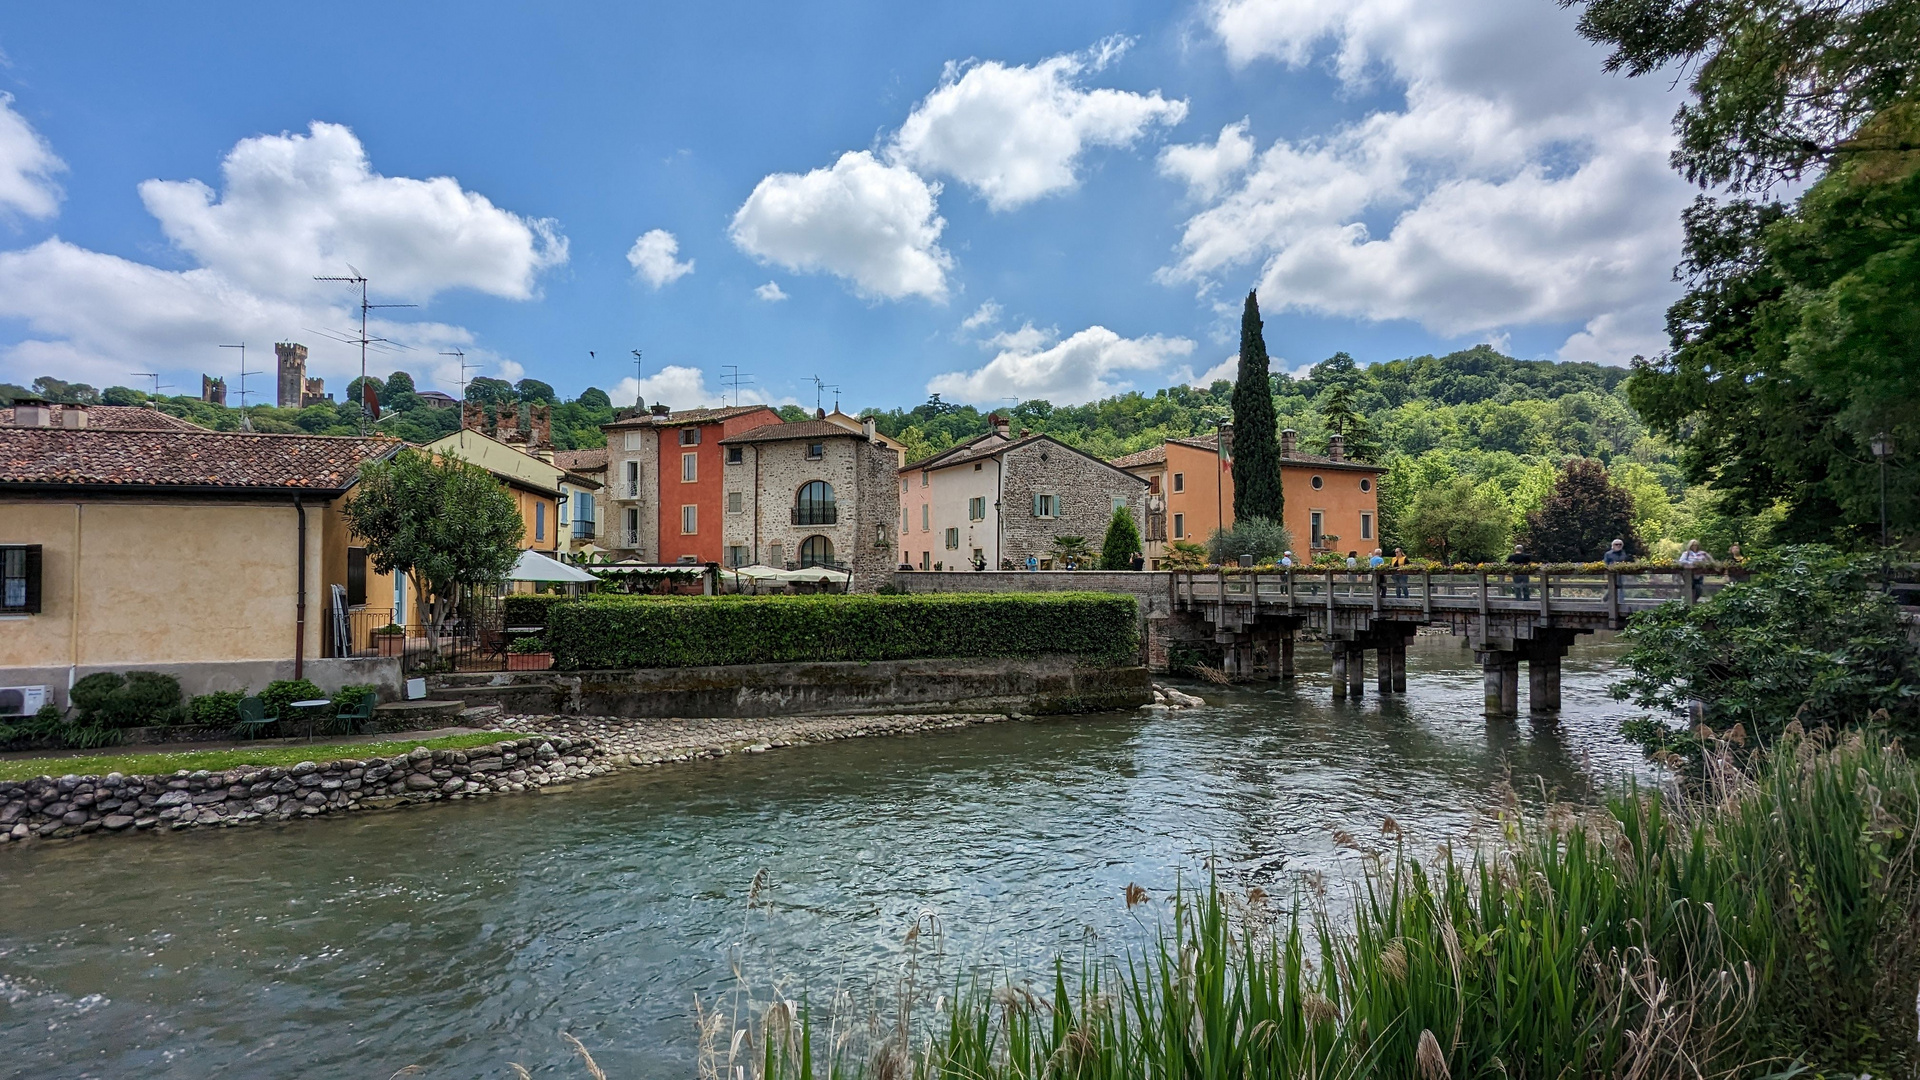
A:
[1399,563]
[1691,558]
[1617,555]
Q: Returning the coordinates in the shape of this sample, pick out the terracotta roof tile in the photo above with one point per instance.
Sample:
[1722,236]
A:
[580,461]
[1152,455]
[162,459]
[117,418]
[690,416]
[805,429]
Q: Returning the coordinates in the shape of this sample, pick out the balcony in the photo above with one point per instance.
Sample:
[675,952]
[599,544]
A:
[815,515]
[630,538]
[583,528]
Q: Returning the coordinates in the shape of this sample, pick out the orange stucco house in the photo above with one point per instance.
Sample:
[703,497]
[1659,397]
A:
[1332,504]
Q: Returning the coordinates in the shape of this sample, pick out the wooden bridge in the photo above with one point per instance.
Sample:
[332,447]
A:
[1526,614]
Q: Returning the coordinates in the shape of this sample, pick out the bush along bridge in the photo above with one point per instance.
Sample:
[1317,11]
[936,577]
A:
[1510,616]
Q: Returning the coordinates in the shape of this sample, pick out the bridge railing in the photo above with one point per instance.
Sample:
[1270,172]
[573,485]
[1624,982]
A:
[1531,590]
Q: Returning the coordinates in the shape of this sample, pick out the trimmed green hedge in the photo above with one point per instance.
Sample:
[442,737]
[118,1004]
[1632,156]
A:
[529,609]
[655,632]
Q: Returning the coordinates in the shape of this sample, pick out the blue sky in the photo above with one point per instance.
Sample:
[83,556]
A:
[990,200]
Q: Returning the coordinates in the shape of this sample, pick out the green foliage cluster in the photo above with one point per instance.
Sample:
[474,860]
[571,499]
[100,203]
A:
[1255,446]
[281,693]
[1261,538]
[1121,543]
[529,609]
[647,632]
[1807,637]
[110,700]
[1767,929]
[218,708]
[404,414]
[1582,516]
[1454,521]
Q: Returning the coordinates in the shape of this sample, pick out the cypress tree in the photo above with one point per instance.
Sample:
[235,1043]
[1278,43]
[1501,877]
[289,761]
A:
[1256,447]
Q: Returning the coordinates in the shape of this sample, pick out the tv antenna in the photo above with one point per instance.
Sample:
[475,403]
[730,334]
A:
[464,368]
[636,378]
[733,378]
[363,341]
[151,375]
[820,387]
[246,424]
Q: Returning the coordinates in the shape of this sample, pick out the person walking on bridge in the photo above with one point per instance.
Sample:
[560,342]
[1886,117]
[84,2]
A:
[1399,563]
[1693,557]
[1616,556]
[1522,583]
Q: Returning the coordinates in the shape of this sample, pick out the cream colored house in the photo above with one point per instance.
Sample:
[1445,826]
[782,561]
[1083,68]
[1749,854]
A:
[212,556]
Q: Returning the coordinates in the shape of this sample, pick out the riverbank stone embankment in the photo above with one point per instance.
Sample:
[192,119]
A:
[548,750]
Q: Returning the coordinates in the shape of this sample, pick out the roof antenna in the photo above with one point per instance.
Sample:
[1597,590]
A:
[820,386]
[151,375]
[464,368]
[246,423]
[636,378]
[363,340]
[731,376]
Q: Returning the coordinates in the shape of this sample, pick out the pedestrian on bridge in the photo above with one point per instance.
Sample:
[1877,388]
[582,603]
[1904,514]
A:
[1691,558]
[1615,556]
[1286,559]
[1521,581]
[1399,562]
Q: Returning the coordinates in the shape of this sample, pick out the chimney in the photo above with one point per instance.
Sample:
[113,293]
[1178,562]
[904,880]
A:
[32,412]
[74,417]
[866,426]
[1000,424]
[1289,442]
[1337,447]
[659,410]
[1024,432]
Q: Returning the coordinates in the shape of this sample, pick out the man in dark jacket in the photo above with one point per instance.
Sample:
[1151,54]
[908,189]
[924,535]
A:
[1522,583]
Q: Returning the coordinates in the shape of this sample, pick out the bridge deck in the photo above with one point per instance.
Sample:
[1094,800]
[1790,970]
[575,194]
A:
[1420,595]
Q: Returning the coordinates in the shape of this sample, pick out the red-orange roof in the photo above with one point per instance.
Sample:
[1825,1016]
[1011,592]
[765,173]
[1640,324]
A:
[237,461]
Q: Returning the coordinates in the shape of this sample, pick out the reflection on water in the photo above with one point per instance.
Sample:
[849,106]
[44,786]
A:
[463,936]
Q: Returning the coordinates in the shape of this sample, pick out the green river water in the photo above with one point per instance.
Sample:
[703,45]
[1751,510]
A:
[463,936]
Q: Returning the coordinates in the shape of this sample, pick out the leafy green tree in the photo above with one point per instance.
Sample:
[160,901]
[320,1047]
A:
[491,391]
[12,392]
[1808,636]
[70,393]
[1122,541]
[397,384]
[353,394]
[1072,548]
[535,392]
[1256,444]
[1259,537]
[1582,516]
[1456,522]
[448,526]
[122,396]
[595,398]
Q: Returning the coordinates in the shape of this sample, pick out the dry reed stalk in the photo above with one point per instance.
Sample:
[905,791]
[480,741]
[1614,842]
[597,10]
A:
[593,1068]
[1212,674]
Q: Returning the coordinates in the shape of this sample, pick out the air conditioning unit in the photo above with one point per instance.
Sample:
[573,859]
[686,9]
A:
[22,700]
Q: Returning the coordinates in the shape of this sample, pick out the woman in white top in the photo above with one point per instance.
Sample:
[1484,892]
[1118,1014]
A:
[1691,558]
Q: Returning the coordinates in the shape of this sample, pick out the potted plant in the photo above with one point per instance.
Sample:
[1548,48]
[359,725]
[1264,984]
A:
[528,654]
[390,640]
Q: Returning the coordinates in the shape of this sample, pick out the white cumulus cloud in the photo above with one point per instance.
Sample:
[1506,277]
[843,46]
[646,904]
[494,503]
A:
[96,316]
[27,167]
[1518,185]
[294,206]
[874,224]
[987,314]
[1091,364]
[652,258]
[771,292]
[1208,167]
[1016,134]
[680,387]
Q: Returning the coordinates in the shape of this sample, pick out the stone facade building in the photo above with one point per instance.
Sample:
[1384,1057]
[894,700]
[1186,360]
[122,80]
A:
[810,494]
[999,498]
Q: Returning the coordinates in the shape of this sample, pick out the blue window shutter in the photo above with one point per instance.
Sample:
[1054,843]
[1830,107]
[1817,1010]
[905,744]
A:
[1036,506]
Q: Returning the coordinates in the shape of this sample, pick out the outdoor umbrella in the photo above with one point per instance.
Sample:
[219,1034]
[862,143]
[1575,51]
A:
[534,566]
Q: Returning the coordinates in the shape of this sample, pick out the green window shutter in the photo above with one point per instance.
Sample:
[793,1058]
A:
[1036,506]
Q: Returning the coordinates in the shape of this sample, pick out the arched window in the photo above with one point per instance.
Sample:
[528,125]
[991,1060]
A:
[816,551]
[814,504]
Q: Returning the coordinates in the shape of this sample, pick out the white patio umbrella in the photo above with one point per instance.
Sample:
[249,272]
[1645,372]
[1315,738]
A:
[533,566]
[815,574]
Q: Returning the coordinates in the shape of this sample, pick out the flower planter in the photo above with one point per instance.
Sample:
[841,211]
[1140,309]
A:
[390,644]
[529,661]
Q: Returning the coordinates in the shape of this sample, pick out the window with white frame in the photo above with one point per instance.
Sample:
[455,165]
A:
[633,439]
[1366,526]
[689,468]
[736,502]
[953,539]
[689,436]
[926,516]
[736,455]
[1179,526]
[689,519]
[1179,481]
[1046,506]
[633,480]
[1119,504]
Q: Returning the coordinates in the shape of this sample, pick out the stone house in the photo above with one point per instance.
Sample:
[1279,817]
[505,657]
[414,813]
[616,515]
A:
[999,498]
[811,494]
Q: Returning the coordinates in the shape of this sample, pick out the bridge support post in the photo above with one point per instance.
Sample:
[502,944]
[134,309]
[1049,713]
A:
[1286,654]
[1356,670]
[1539,697]
[1383,657]
[1339,650]
[1400,667]
[1501,676]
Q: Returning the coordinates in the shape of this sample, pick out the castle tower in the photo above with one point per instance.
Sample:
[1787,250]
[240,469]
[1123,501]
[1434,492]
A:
[293,374]
[213,389]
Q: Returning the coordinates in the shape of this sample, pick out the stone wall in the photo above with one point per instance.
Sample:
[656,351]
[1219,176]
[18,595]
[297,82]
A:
[1051,684]
[867,499]
[1085,489]
[46,807]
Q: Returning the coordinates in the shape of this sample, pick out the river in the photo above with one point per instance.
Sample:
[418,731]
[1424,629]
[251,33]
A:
[463,936]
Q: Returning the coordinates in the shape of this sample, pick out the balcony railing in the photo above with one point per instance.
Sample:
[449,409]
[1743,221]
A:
[630,538]
[815,515]
[583,529]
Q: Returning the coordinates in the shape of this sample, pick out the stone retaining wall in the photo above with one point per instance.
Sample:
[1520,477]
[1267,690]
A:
[45,807]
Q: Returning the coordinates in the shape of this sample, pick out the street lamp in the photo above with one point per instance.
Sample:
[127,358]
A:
[1882,450]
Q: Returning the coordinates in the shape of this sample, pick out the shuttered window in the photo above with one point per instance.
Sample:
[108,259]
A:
[20,579]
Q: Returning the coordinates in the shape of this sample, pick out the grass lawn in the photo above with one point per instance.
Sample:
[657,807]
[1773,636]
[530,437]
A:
[216,760]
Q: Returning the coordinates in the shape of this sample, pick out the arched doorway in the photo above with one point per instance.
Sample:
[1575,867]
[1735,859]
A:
[816,551]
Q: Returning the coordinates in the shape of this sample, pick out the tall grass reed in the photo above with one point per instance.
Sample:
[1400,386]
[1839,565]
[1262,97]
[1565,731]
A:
[1762,925]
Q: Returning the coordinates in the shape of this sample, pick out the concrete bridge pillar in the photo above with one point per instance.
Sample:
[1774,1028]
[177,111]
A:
[1501,677]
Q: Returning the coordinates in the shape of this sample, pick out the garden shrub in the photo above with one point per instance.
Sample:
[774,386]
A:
[220,708]
[639,632]
[529,609]
[110,701]
[283,692]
